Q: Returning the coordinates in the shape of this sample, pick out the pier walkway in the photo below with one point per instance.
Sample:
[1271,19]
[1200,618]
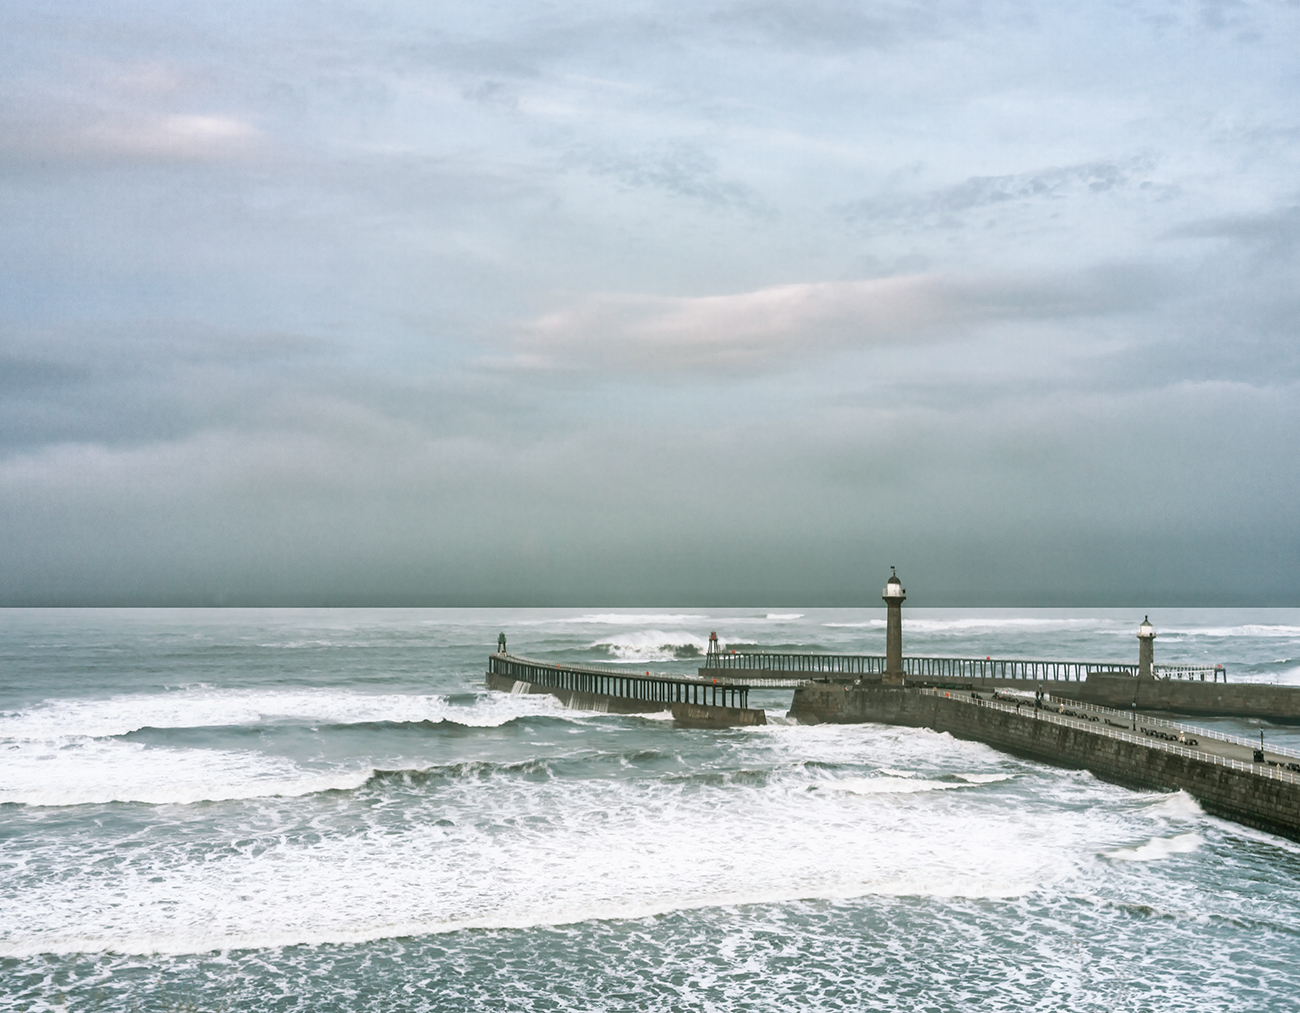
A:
[1176,737]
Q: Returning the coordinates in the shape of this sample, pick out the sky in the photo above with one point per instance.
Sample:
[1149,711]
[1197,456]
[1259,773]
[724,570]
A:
[731,303]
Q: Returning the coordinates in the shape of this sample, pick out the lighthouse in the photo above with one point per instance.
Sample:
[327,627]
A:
[1146,649]
[894,596]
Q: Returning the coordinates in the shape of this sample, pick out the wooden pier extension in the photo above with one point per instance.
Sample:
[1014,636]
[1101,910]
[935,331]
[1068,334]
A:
[694,702]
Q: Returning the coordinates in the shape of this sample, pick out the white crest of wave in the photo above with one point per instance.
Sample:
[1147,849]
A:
[96,771]
[652,645]
[202,706]
[1247,630]
[784,616]
[1158,848]
[976,625]
[890,785]
[65,752]
[635,618]
[1177,805]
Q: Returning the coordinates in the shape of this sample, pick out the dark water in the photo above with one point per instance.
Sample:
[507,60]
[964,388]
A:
[311,810]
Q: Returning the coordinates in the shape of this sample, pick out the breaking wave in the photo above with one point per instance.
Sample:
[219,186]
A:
[1158,848]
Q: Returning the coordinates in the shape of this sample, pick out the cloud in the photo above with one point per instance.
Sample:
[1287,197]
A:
[681,168]
[180,136]
[754,330]
[246,304]
[947,206]
[67,136]
[1278,229]
[843,24]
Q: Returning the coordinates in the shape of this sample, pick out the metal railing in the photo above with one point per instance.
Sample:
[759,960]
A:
[799,664]
[1190,672]
[1193,730]
[661,688]
[823,666]
[1259,769]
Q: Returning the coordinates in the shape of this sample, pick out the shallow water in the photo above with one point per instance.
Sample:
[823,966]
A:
[324,810]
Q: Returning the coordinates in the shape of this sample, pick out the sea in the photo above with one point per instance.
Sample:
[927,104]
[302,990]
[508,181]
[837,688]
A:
[326,810]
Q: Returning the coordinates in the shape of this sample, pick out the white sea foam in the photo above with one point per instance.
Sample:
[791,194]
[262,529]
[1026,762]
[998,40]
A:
[511,851]
[784,616]
[1157,848]
[66,752]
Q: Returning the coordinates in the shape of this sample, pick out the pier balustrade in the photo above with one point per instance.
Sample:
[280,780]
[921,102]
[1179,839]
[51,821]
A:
[600,681]
[786,668]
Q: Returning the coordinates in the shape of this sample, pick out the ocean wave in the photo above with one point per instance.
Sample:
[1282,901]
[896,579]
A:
[1176,805]
[519,851]
[630,618]
[103,771]
[651,646]
[1157,848]
[1247,630]
[475,770]
[890,785]
[181,736]
[197,707]
[411,849]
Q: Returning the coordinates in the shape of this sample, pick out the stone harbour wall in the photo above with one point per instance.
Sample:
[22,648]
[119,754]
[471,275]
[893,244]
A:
[1254,799]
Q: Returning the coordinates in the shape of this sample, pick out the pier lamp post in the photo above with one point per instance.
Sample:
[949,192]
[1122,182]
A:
[1146,649]
[894,596]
